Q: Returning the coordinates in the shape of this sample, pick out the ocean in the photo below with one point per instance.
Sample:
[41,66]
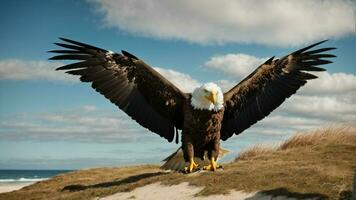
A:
[22,176]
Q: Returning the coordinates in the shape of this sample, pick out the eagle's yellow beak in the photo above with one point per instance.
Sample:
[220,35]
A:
[212,97]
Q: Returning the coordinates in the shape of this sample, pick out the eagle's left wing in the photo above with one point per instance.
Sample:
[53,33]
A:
[267,88]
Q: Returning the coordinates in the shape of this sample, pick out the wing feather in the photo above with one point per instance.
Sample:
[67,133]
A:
[268,86]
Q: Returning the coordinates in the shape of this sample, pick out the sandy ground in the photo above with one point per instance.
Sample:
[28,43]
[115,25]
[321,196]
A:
[182,191]
[8,187]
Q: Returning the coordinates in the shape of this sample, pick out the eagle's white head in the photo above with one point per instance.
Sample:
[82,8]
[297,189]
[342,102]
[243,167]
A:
[208,96]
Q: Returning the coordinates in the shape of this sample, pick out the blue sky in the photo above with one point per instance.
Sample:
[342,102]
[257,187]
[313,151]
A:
[47,117]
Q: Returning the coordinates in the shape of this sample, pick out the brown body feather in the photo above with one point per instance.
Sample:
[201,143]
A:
[201,132]
[156,104]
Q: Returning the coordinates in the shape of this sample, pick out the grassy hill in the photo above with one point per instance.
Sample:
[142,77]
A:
[318,164]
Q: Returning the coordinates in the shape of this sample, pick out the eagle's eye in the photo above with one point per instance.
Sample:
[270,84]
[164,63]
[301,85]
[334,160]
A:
[206,91]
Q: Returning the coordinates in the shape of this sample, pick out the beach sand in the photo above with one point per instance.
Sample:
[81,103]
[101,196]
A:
[8,187]
[182,191]
[188,192]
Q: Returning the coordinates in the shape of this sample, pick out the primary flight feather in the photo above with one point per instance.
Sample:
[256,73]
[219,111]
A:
[205,116]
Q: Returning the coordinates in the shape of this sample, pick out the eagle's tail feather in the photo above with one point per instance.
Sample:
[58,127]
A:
[175,161]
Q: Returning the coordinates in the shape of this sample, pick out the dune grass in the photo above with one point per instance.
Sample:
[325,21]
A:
[337,134]
[320,164]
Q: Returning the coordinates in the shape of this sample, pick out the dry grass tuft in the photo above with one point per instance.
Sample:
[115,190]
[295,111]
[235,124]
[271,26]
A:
[336,134]
[255,151]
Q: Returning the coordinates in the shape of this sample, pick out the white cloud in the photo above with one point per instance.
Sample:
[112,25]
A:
[331,83]
[303,113]
[236,65]
[80,124]
[276,22]
[290,122]
[183,81]
[335,107]
[16,69]
[89,108]
[226,84]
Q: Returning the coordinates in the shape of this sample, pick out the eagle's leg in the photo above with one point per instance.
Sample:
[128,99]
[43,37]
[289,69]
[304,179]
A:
[189,156]
[213,155]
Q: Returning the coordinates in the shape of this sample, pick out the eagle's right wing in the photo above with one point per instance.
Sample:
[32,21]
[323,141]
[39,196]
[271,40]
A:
[268,86]
[129,83]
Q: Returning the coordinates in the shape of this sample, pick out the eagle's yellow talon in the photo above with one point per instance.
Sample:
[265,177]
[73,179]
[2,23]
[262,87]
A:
[192,166]
[212,166]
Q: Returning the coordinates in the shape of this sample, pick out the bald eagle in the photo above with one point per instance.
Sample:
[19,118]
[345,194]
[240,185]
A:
[205,116]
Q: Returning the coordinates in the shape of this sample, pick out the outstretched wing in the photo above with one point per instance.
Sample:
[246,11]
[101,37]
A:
[268,86]
[129,83]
